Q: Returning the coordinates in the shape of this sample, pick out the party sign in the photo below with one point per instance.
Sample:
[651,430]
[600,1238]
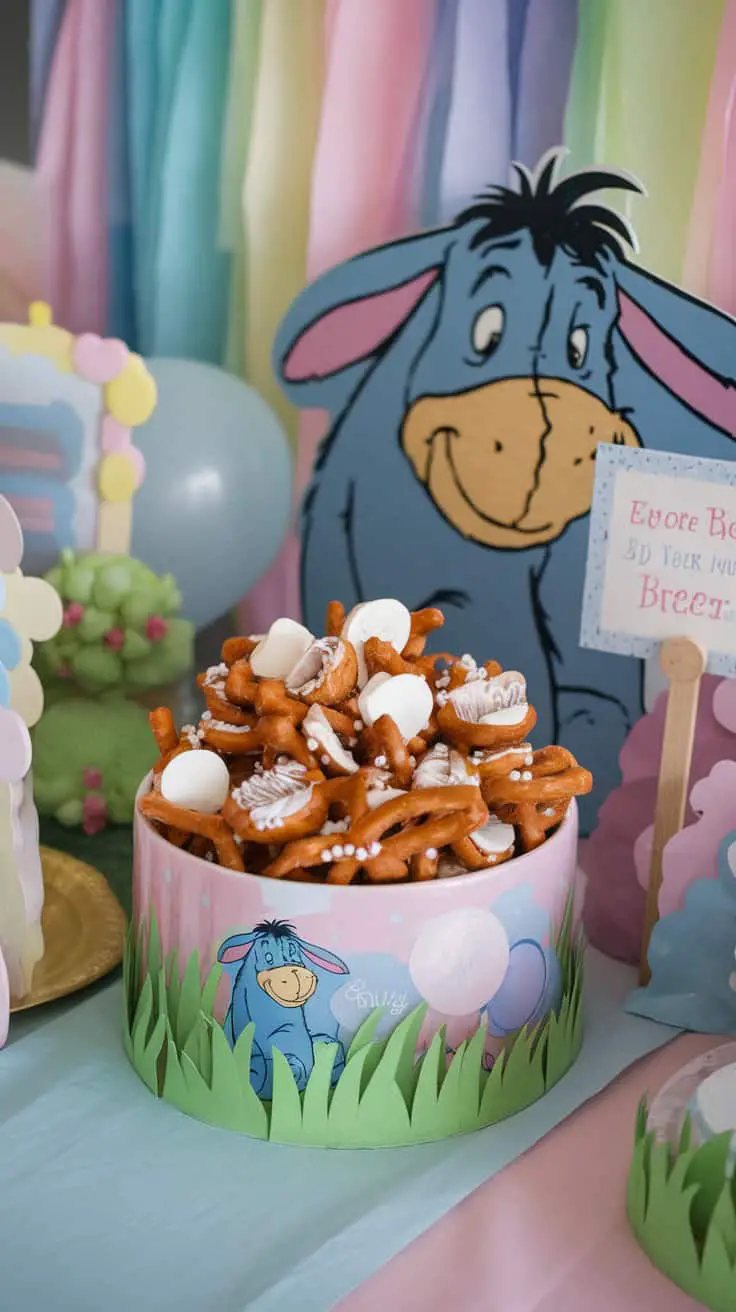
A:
[662,555]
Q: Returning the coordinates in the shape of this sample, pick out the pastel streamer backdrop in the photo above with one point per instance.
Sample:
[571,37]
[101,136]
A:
[198,160]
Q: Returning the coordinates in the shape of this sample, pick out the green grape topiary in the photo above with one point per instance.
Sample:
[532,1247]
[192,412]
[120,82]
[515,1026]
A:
[121,628]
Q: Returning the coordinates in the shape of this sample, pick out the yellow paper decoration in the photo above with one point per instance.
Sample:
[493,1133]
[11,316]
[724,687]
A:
[131,397]
[278,180]
[116,478]
[658,59]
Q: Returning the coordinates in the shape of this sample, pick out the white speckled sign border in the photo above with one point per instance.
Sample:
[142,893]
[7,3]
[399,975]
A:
[610,461]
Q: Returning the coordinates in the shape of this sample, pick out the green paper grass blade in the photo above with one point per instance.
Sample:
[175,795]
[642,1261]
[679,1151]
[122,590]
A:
[198,1047]
[147,1046]
[365,1032]
[398,1059]
[472,1078]
[723,1221]
[685,1139]
[286,1104]
[708,1172]
[316,1096]
[232,1104]
[189,1003]
[173,983]
[520,1081]
[346,1099]
[210,990]
[154,958]
[636,1189]
[449,1114]
[716,1279]
[429,1082]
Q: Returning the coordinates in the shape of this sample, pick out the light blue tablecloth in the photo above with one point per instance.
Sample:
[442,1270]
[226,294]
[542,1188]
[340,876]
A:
[113,1202]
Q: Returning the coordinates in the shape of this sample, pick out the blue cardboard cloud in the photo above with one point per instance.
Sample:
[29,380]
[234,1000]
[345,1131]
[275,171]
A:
[692,956]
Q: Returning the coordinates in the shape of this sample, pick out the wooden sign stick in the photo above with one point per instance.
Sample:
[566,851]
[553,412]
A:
[683,663]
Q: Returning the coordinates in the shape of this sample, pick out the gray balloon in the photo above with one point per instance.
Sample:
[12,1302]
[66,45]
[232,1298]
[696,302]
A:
[215,504]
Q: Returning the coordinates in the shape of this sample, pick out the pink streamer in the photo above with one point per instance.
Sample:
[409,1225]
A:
[54,164]
[361,196]
[708,270]
[72,167]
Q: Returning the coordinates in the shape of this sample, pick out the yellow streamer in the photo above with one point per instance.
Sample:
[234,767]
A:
[278,179]
[658,59]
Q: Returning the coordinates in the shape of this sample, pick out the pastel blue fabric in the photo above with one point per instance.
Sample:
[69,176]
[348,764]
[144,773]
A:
[171,34]
[46,17]
[189,269]
[109,1199]
[538,109]
[428,154]
[692,956]
[141,25]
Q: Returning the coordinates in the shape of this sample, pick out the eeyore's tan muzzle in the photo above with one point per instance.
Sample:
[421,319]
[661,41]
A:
[510,464]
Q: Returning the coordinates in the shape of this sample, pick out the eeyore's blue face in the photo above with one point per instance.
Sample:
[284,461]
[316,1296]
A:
[281,970]
[279,961]
[512,393]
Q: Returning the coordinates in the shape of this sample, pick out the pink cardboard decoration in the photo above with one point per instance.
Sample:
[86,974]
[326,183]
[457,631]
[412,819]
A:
[614,900]
[15,747]
[693,853]
[99,359]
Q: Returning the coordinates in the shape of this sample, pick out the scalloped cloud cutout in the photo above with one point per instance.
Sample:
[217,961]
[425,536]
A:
[692,957]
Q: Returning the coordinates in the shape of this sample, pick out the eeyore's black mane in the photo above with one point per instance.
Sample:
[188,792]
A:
[278,928]
[550,212]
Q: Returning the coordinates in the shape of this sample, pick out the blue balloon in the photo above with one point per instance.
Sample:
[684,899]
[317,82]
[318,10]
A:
[522,990]
[216,501]
[10,646]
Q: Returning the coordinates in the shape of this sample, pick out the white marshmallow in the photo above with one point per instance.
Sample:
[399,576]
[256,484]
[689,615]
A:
[277,653]
[198,781]
[406,698]
[386,619]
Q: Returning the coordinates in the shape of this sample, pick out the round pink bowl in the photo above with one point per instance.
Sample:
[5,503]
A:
[473,947]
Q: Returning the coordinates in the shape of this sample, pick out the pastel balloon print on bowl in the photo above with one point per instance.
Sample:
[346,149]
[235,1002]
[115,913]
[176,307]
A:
[459,960]
[520,997]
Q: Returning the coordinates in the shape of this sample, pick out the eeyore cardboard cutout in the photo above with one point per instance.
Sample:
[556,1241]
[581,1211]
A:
[470,373]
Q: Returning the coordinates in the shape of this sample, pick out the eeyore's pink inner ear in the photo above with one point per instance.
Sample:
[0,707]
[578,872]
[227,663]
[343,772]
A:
[236,952]
[689,380]
[352,331]
[333,964]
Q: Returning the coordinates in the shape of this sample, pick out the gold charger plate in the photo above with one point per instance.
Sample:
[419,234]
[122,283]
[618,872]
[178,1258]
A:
[83,930]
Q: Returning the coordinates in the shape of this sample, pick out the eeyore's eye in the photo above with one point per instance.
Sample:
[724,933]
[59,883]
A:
[269,958]
[488,329]
[577,347]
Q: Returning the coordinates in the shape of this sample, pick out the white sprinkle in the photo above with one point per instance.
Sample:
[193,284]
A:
[413,762]
[338,852]
[312,744]
[482,672]
[325,854]
[374,849]
[442,698]
[515,774]
[528,760]
[349,849]
[325,759]
[493,817]
[261,825]
[352,742]
[361,853]
[549,810]
[431,852]
[526,775]
[381,760]
[357,725]
[206,715]
[282,760]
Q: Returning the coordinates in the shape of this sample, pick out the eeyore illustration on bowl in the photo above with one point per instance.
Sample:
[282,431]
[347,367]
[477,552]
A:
[470,374]
[273,979]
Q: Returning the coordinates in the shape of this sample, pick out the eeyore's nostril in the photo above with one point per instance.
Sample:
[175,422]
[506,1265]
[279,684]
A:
[498,447]
[578,460]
